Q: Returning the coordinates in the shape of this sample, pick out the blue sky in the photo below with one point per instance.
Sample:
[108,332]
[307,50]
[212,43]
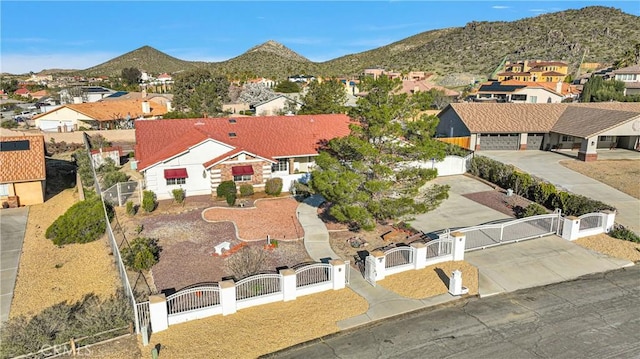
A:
[80,34]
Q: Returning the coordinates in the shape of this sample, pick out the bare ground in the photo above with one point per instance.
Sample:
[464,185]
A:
[431,281]
[48,274]
[620,174]
[259,330]
[610,246]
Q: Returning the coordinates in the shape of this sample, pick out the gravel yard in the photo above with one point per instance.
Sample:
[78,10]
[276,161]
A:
[620,174]
[431,281]
[259,330]
[611,246]
[498,200]
[48,274]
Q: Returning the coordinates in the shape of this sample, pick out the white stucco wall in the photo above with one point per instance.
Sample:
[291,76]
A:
[63,115]
[198,181]
[542,96]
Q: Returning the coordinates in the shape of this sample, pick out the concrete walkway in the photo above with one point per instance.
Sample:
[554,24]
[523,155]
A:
[13,223]
[382,302]
[546,166]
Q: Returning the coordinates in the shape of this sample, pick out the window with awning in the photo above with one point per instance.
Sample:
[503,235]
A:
[242,170]
[175,173]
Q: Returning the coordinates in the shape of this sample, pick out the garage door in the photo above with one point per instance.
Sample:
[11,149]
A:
[534,141]
[52,125]
[503,141]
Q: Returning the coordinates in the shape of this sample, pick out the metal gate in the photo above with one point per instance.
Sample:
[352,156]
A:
[489,235]
[370,270]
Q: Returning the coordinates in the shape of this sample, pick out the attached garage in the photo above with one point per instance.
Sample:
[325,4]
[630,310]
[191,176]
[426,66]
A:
[534,141]
[500,142]
[52,125]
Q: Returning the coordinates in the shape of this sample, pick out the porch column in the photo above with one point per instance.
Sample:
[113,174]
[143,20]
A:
[289,284]
[420,253]
[523,141]
[291,161]
[588,149]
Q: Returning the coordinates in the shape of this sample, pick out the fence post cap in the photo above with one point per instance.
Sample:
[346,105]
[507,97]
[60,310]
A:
[417,245]
[573,218]
[287,272]
[336,262]
[227,284]
[157,298]
[377,253]
[457,234]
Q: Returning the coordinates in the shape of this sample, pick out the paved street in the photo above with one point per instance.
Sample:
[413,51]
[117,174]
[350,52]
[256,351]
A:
[596,316]
[13,222]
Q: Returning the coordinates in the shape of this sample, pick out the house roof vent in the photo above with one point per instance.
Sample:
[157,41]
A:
[232,134]
[199,123]
[232,120]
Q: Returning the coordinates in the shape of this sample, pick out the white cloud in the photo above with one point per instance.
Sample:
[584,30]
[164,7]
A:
[538,10]
[31,40]
[19,64]
[500,7]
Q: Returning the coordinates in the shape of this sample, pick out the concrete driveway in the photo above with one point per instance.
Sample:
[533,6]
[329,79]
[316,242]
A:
[457,211]
[536,262]
[545,165]
[13,222]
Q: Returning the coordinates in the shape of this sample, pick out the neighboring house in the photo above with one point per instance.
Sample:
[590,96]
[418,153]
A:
[98,156]
[98,115]
[84,94]
[413,86]
[23,91]
[534,71]
[276,106]
[198,154]
[586,127]
[526,92]
[350,86]
[631,78]
[22,170]
[39,94]
[269,83]
[235,108]
[164,78]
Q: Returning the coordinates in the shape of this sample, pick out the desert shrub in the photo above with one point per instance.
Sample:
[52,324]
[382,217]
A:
[491,170]
[9,124]
[273,187]
[226,187]
[541,192]
[520,182]
[231,199]
[148,201]
[142,254]
[178,195]
[63,321]
[533,209]
[131,208]
[246,189]
[625,234]
[301,189]
[111,178]
[246,262]
[85,169]
[82,223]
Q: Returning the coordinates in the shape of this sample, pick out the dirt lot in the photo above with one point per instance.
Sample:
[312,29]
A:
[620,174]
[188,241]
[498,200]
[259,330]
[48,274]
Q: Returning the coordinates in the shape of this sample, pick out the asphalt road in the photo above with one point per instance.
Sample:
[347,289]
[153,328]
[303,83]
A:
[596,316]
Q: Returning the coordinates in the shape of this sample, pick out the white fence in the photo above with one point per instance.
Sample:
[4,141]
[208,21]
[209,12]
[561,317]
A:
[587,225]
[451,165]
[227,297]
[416,256]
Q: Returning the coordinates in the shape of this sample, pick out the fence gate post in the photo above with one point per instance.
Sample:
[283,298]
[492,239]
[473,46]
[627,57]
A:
[379,264]
[610,220]
[118,185]
[228,297]
[459,245]
[570,228]
[339,275]
[288,284]
[420,253]
[158,312]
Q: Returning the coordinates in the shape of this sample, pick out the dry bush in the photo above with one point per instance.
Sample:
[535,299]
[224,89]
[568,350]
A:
[246,262]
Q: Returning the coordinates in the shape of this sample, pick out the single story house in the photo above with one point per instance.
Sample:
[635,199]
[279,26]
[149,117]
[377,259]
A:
[586,127]
[98,115]
[22,170]
[276,106]
[198,154]
[526,92]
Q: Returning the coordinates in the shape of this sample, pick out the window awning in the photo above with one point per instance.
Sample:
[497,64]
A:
[175,173]
[242,170]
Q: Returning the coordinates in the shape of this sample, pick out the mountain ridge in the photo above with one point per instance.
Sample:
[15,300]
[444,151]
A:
[597,33]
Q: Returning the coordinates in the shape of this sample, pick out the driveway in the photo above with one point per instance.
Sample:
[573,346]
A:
[536,262]
[545,165]
[457,211]
[13,222]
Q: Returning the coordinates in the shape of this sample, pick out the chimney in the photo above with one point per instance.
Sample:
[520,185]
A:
[559,87]
[169,108]
[146,108]
[416,89]
[144,93]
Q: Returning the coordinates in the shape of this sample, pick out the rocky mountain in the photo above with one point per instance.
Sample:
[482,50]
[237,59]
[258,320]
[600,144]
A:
[595,34]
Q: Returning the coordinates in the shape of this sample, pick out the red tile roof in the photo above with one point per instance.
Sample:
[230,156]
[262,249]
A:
[269,137]
[22,91]
[23,166]
[110,110]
